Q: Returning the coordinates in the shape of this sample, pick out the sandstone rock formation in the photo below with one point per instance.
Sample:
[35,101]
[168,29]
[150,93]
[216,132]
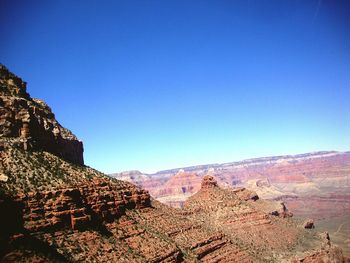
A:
[208,182]
[31,122]
[80,207]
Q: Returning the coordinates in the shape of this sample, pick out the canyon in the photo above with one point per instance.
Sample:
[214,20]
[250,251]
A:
[56,209]
[315,185]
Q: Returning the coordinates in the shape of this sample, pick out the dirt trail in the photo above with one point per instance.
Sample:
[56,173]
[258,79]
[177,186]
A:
[340,227]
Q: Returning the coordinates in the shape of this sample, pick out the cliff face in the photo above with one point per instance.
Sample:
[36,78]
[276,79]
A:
[179,186]
[80,207]
[31,122]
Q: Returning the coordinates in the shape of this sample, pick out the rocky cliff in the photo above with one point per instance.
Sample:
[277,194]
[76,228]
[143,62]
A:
[31,123]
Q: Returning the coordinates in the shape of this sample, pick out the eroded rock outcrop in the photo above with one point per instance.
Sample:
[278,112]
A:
[31,122]
[80,207]
[209,181]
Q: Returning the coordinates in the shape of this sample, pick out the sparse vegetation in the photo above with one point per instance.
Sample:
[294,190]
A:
[39,170]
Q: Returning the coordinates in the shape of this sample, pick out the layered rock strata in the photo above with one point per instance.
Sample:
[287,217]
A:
[32,122]
[81,207]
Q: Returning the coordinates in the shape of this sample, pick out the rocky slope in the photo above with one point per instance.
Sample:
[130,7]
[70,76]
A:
[55,209]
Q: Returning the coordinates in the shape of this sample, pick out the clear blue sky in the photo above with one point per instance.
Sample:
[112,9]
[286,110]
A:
[151,85]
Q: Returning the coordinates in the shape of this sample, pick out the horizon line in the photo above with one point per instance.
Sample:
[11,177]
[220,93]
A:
[236,161]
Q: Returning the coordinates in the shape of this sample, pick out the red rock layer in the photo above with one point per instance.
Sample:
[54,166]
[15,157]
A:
[32,122]
[80,207]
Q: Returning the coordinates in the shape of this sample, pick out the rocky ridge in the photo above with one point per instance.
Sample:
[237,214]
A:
[31,123]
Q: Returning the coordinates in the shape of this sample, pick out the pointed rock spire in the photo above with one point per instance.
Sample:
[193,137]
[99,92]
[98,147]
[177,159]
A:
[209,182]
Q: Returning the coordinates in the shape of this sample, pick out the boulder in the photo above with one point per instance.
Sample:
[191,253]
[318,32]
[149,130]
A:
[308,224]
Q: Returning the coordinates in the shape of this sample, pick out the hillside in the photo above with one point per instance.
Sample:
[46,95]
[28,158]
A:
[56,209]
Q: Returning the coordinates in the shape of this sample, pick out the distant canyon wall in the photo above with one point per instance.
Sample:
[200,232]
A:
[296,179]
